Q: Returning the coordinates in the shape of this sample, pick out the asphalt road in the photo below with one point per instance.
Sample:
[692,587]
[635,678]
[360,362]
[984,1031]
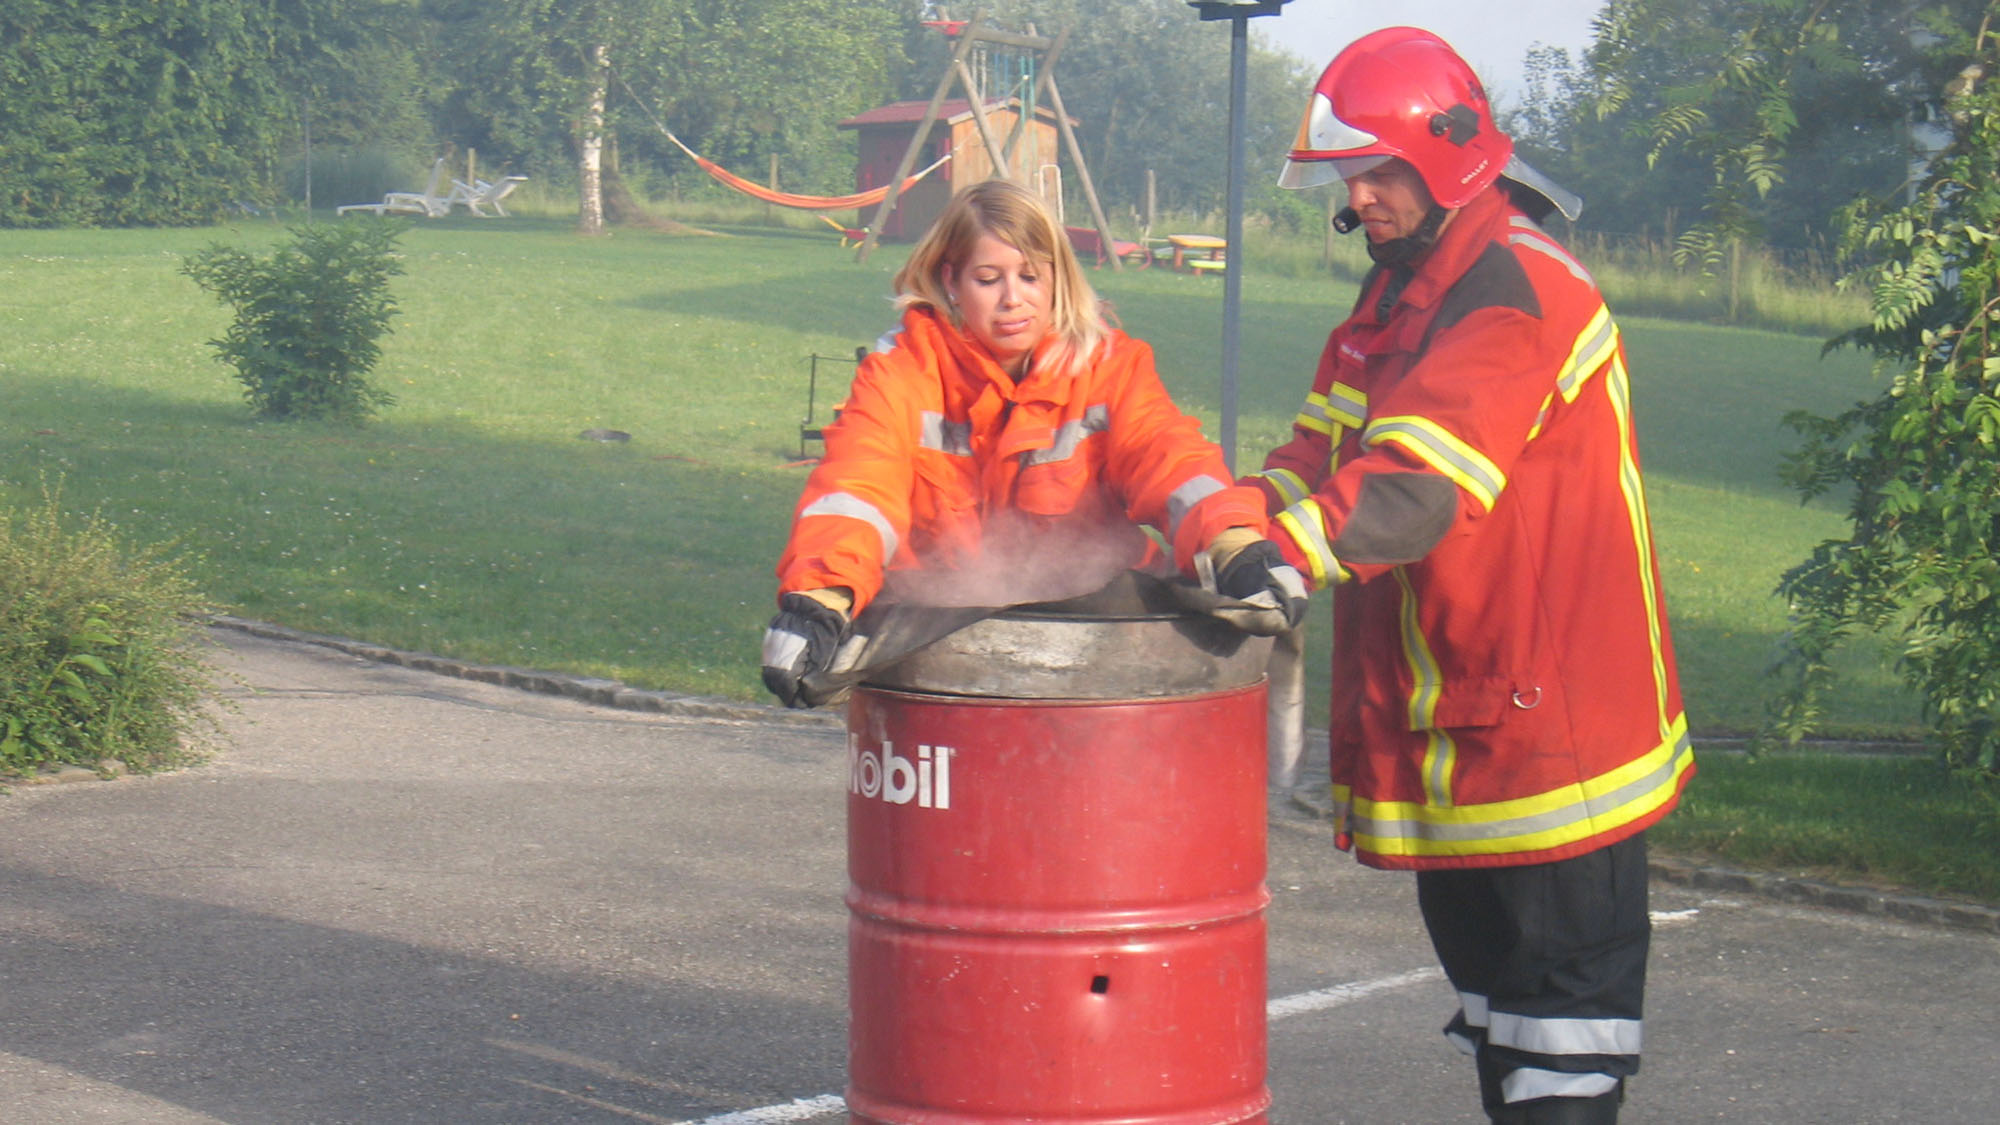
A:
[404,897]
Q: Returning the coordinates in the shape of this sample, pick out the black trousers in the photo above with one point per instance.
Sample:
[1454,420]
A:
[1549,961]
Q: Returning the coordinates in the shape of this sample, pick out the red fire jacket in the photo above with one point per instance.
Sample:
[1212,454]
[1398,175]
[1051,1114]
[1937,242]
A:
[1504,689]
[1008,493]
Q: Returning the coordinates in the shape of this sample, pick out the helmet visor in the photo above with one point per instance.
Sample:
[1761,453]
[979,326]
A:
[1313,173]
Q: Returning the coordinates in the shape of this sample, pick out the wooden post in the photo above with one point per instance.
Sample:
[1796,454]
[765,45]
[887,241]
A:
[978,98]
[1082,172]
[909,161]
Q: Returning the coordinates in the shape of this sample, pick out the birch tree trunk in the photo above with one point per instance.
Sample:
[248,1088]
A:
[590,146]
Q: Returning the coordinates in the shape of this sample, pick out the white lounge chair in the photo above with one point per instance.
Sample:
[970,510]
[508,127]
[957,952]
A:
[479,194]
[430,202]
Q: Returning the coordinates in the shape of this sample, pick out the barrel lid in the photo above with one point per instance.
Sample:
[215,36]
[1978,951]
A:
[1092,648]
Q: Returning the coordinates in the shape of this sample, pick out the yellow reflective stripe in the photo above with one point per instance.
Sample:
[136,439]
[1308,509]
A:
[1343,806]
[1346,404]
[1441,450]
[1313,415]
[1561,816]
[1341,407]
[1619,388]
[1541,416]
[1440,752]
[1594,346]
[1307,527]
[1291,487]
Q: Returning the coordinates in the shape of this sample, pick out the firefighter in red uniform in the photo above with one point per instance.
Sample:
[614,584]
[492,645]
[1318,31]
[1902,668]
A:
[1000,443]
[1506,718]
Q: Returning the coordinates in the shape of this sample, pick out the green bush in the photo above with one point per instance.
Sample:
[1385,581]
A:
[97,649]
[307,317]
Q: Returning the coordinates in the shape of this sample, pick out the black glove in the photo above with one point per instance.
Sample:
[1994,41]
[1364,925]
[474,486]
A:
[801,640]
[1260,569]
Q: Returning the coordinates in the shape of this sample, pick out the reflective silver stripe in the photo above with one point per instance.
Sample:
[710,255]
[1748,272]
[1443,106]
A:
[1540,243]
[1527,1084]
[1291,487]
[1442,450]
[1565,1036]
[782,648]
[1347,404]
[1474,1005]
[853,507]
[1595,345]
[1183,499]
[1308,531]
[1095,420]
[954,438]
[1313,415]
[1473,830]
[886,341]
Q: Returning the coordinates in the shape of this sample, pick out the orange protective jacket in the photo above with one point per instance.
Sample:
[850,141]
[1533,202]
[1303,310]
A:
[1504,689]
[939,461]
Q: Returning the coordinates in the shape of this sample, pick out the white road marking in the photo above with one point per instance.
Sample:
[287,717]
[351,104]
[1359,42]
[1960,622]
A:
[1339,994]
[1314,1001]
[1673,917]
[800,1110]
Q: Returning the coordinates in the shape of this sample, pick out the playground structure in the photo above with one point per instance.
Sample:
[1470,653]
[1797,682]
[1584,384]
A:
[884,133]
[1027,64]
[983,57]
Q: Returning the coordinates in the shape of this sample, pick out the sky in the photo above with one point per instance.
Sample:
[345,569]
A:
[1492,35]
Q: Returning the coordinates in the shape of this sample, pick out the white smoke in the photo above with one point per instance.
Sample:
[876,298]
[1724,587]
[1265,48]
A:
[1027,559]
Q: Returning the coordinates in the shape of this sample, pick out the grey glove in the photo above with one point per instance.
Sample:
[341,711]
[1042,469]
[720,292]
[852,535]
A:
[1259,574]
[801,640]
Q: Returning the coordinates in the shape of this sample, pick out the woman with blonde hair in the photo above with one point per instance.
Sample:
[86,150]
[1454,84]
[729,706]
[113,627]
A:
[1004,445]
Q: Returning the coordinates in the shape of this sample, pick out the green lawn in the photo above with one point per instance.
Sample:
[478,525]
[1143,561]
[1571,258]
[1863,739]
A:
[471,521]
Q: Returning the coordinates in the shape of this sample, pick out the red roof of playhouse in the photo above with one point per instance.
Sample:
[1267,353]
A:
[951,111]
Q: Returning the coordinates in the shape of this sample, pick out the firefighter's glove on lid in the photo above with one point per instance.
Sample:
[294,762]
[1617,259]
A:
[1256,573]
[802,640]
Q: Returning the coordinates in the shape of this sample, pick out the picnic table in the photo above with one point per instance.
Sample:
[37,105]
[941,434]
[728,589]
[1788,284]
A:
[1198,244]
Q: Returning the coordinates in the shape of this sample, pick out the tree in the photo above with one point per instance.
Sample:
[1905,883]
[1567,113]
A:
[1922,557]
[738,79]
[1744,121]
[1748,92]
[135,112]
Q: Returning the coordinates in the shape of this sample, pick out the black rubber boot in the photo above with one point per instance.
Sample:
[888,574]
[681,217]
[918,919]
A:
[1600,1110]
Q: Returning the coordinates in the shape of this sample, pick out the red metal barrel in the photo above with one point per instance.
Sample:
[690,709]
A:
[1057,904]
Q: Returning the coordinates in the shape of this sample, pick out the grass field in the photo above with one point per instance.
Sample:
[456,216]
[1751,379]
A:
[470,520]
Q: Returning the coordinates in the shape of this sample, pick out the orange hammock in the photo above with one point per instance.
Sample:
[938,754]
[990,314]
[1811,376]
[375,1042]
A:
[861,199]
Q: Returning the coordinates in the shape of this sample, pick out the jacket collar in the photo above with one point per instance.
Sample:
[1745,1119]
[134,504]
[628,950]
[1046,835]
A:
[1461,243]
[976,366]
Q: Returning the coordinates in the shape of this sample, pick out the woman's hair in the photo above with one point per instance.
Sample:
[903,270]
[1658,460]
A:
[1019,218]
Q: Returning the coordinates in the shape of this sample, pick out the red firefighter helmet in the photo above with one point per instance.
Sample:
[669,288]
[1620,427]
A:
[1400,92]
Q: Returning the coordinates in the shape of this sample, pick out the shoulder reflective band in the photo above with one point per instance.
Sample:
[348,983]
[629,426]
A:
[1441,450]
[850,506]
[1594,347]
[1527,234]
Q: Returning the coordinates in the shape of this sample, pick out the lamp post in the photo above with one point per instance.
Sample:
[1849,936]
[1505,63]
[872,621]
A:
[1239,13]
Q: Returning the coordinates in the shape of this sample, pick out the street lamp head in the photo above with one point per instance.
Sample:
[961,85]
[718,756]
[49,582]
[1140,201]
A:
[1236,9]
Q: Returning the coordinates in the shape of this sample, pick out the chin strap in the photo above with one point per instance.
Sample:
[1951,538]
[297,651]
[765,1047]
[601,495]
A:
[1402,251]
